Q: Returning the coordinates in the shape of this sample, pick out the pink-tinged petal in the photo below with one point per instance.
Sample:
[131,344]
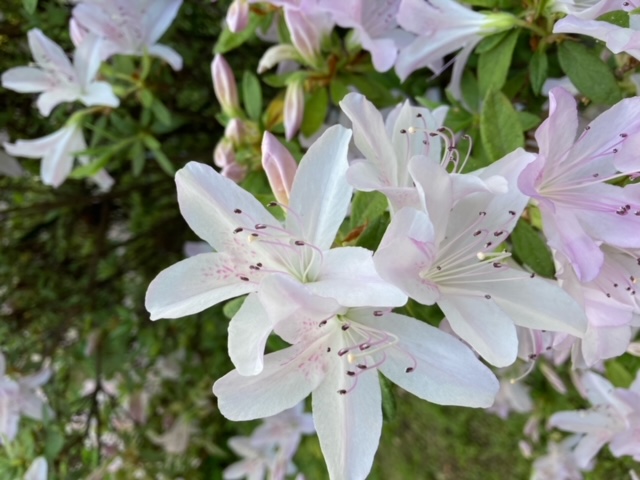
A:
[535,302]
[598,390]
[193,285]
[558,132]
[415,56]
[482,324]
[305,34]
[288,376]
[208,202]
[48,54]
[26,80]
[50,99]
[77,32]
[293,309]
[168,54]
[100,93]
[444,370]
[627,443]
[455,85]
[32,406]
[435,186]
[565,234]
[293,109]
[617,38]
[588,448]
[582,421]
[605,342]
[369,135]
[95,20]
[407,250]
[158,17]
[38,147]
[224,84]
[320,194]
[87,59]
[349,276]
[348,425]
[530,178]
[57,164]
[248,332]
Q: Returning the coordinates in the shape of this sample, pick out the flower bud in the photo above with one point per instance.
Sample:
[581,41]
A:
[293,108]
[279,166]
[275,55]
[238,15]
[235,131]
[234,172]
[224,85]
[223,154]
[304,35]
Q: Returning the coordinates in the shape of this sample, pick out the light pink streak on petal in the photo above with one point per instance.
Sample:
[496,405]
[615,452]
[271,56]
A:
[193,285]
[349,425]
[483,325]
[238,15]
[25,80]
[288,376]
[349,276]
[208,200]
[248,332]
[447,371]
[407,250]
[320,194]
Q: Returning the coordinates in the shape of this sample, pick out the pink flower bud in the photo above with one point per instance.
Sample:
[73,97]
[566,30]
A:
[304,35]
[234,172]
[235,131]
[279,166]
[238,15]
[224,84]
[76,32]
[293,108]
[223,154]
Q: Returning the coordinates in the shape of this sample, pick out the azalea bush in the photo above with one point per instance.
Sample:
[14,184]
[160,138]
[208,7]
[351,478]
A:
[319,239]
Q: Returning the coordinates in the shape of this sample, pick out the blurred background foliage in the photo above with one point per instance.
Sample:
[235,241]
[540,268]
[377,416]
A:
[75,264]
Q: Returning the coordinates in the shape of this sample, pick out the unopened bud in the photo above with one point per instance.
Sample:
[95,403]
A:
[293,108]
[306,36]
[235,131]
[224,85]
[234,172]
[275,55]
[279,166]
[238,15]
[634,349]
[223,154]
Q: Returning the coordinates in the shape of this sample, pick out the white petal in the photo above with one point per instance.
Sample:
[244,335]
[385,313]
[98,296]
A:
[38,470]
[248,332]
[348,425]
[167,54]
[208,200]
[100,93]
[445,370]
[288,376]
[87,59]
[583,421]
[57,164]
[320,194]
[349,276]
[49,99]
[193,285]
[158,17]
[483,325]
[25,80]
[48,54]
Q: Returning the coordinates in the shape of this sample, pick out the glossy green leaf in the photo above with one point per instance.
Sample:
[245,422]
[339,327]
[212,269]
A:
[499,126]
[538,71]
[315,112]
[530,249]
[252,95]
[493,64]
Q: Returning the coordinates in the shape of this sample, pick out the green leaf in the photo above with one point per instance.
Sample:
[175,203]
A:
[470,91]
[338,89]
[500,128]
[618,375]
[315,112]
[138,158]
[232,306]
[531,250]
[90,169]
[366,207]
[161,112]
[490,42]
[388,398]
[30,6]
[528,120]
[228,40]
[252,95]
[538,71]
[372,235]
[493,64]
[54,443]
[618,17]
[146,98]
[591,76]
[164,162]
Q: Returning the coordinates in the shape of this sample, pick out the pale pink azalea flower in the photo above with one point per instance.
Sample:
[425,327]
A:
[176,439]
[57,151]
[307,31]
[513,396]
[587,9]
[618,39]
[559,463]
[336,355]
[448,256]
[57,78]
[567,180]
[255,460]
[614,419]
[37,470]
[131,27]
[224,85]
[444,27]
[251,245]
[238,15]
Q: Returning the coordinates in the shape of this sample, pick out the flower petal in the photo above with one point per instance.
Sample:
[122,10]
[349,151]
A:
[193,285]
[320,194]
[168,54]
[248,332]
[25,80]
